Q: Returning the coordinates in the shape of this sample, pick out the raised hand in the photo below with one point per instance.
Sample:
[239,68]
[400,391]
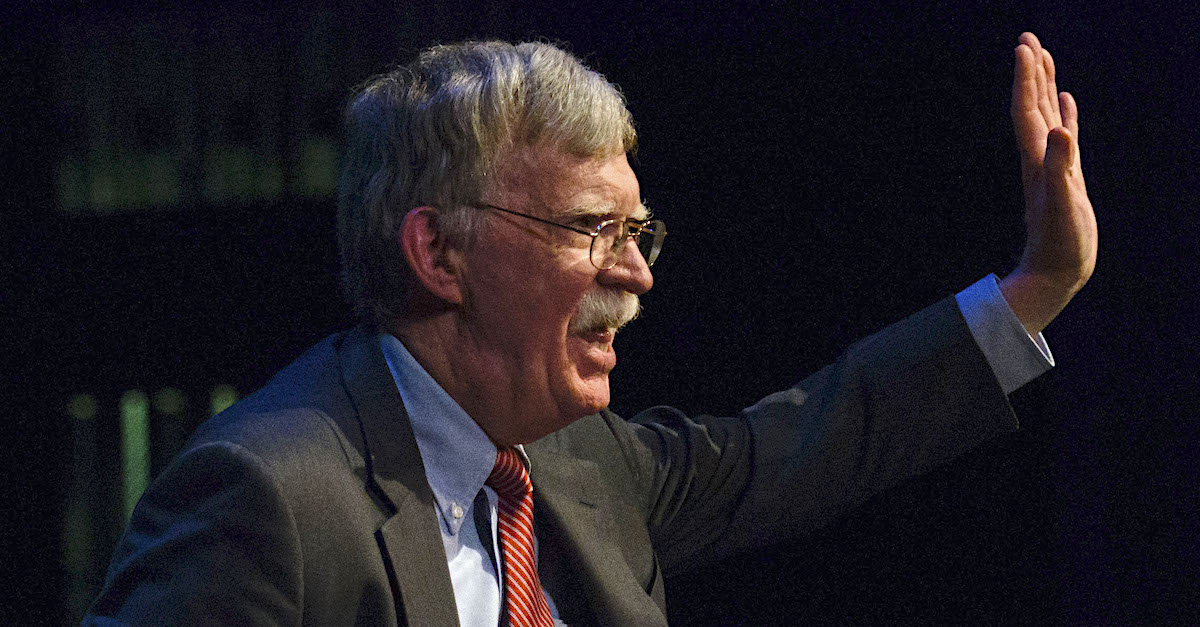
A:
[1061,240]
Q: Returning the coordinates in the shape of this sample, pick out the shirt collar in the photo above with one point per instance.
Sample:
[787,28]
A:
[456,453]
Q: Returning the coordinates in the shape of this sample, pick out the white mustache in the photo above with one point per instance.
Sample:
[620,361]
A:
[605,309]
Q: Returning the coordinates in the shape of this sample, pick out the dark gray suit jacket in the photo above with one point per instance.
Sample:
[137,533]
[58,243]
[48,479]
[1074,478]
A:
[307,502]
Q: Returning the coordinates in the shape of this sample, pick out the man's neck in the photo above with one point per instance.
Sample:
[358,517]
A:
[445,351]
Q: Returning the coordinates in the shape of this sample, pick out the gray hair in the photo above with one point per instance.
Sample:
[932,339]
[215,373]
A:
[434,132]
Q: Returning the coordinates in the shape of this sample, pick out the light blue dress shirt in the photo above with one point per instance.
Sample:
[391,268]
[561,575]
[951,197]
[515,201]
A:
[458,456]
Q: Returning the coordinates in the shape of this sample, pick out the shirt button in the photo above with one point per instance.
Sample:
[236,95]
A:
[456,510]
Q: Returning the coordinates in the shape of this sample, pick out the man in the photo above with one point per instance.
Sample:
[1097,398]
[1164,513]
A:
[487,213]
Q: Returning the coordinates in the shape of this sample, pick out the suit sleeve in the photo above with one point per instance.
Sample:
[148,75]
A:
[212,542]
[893,406]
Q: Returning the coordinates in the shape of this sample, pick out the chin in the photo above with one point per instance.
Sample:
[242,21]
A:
[591,395]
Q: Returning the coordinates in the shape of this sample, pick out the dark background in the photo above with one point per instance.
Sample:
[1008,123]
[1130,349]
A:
[824,171]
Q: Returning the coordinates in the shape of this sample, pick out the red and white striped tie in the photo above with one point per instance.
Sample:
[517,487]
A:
[524,602]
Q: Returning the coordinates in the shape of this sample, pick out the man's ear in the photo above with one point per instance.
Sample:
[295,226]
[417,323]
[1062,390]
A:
[435,265]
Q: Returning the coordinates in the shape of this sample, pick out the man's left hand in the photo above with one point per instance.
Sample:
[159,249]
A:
[1061,240]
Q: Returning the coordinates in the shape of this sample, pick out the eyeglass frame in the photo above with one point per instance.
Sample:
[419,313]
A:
[643,226]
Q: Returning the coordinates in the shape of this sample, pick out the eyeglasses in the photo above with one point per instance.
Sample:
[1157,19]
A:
[609,237]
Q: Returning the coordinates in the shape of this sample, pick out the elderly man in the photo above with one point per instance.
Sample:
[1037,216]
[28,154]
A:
[451,459]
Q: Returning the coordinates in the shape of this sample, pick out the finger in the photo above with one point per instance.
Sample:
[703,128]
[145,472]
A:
[1060,154]
[1060,172]
[1070,113]
[1051,87]
[1042,92]
[1071,121]
[1030,125]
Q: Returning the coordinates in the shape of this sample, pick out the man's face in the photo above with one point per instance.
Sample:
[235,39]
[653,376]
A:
[526,281]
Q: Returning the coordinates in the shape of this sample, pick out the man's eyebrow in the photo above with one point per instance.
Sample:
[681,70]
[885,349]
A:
[641,212]
[588,209]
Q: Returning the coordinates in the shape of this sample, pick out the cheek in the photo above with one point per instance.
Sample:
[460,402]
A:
[523,302]
[525,320]
[543,308]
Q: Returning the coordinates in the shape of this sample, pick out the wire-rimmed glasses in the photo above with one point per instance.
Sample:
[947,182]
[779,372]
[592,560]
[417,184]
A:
[609,237]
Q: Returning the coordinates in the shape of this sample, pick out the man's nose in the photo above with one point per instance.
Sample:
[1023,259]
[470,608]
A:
[630,273]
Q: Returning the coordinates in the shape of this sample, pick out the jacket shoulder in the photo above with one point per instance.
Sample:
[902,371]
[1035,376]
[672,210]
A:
[298,424]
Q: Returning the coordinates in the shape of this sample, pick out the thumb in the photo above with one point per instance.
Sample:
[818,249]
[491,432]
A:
[1060,154]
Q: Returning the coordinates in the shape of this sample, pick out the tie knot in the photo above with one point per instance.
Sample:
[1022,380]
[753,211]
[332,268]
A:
[509,478]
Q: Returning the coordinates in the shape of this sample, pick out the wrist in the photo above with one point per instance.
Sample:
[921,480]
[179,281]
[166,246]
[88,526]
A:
[1037,298]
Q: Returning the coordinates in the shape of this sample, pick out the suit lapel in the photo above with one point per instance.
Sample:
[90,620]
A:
[409,539]
[582,567]
[579,562]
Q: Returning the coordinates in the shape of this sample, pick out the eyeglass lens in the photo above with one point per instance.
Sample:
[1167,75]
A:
[609,243]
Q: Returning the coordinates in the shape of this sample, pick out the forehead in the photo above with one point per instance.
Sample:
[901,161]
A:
[550,182]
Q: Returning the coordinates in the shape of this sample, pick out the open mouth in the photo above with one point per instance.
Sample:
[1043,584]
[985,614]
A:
[594,351]
[602,336]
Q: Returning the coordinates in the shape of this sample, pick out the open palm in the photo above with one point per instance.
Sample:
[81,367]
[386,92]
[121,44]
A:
[1061,244]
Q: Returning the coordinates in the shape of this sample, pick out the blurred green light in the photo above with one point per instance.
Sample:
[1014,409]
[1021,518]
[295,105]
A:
[318,167]
[135,447]
[82,407]
[170,401]
[228,173]
[158,175]
[222,397]
[102,191]
[77,538]
[270,179]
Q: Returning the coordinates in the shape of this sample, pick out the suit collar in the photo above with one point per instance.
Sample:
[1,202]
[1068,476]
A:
[455,452]
[588,579]
[409,538]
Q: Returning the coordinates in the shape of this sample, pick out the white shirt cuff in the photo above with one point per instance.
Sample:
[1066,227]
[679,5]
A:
[1015,356]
